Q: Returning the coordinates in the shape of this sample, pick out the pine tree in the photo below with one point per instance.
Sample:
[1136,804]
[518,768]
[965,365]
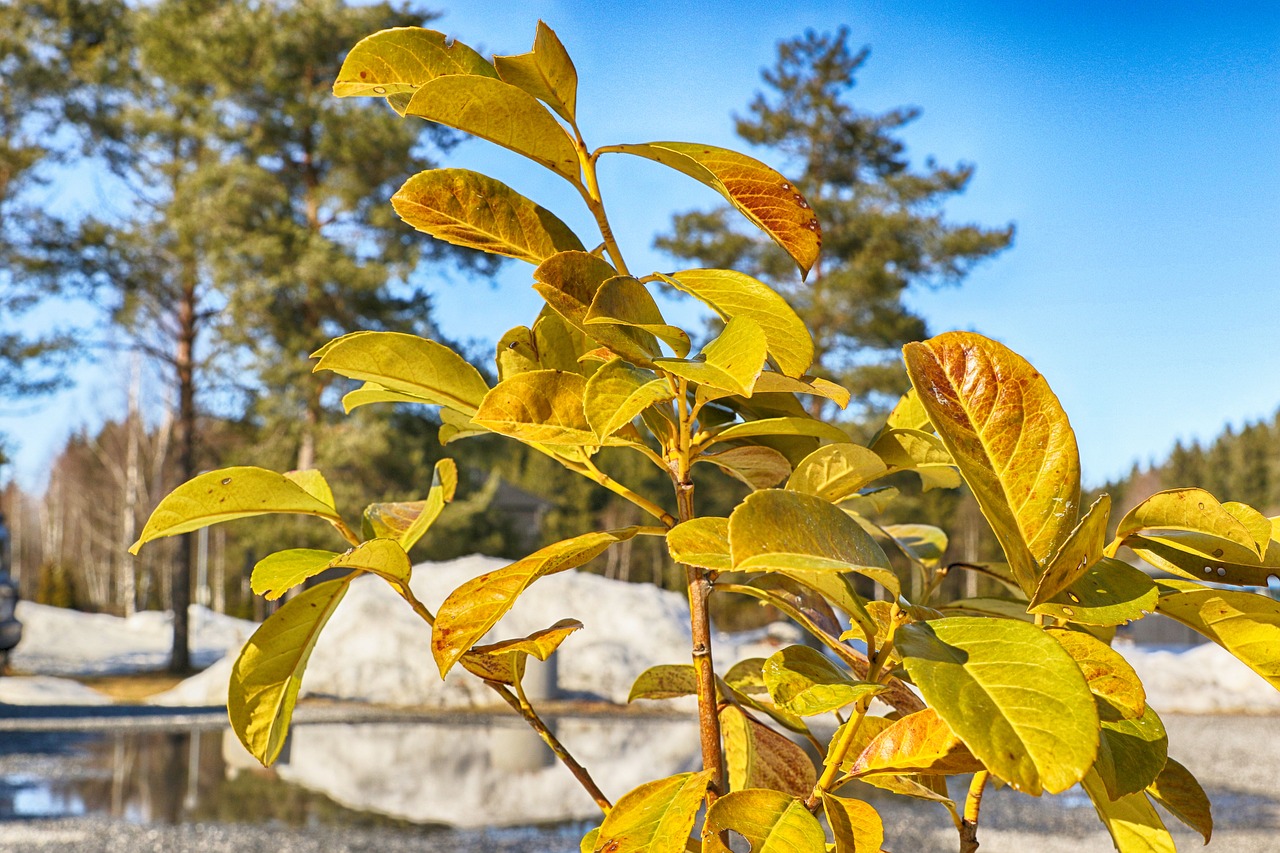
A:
[883,229]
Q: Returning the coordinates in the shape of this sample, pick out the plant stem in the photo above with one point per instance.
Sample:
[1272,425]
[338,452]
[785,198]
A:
[520,704]
[418,607]
[591,195]
[347,533]
[972,806]
[591,472]
[836,758]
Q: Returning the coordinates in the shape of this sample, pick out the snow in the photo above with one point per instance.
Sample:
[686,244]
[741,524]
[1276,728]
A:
[376,650]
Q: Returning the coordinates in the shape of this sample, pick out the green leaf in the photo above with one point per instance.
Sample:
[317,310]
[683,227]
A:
[225,495]
[501,113]
[836,471]
[406,522]
[476,606]
[729,363]
[775,530]
[569,282]
[756,756]
[656,817]
[1010,438]
[759,193]
[782,426]
[1082,549]
[772,382]
[624,301]
[732,294]
[470,209]
[1132,752]
[1110,677]
[1245,624]
[802,681]
[407,364]
[1132,820]
[759,467]
[1111,592]
[397,61]
[283,570]
[665,681]
[1179,792]
[917,743]
[856,825]
[1011,693]
[617,392]
[546,72]
[267,675]
[702,542]
[770,821]
[545,406]
[504,661]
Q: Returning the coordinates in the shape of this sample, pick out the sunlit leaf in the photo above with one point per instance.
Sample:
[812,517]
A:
[1193,520]
[870,502]
[454,425]
[569,282]
[782,426]
[1011,693]
[775,529]
[372,392]
[1082,549]
[758,467]
[501,113]
[656,817]
[923,543]
[505,661]
[909,413]
[225,495]
[836,471]
[546,72]
[267,675]
[856,825]
[1132,752]
[732,294]
[1179,792]
[476,606]
[920,452]
[1132,820]
[588,842]
[701,542]
[408,364]
[617,392]
[313,483]
[729,363]
[545,406]
[399,60]
[624,301]
[1245,624]
[473,210]
[770,821]
[758,757]
[665,681]
[1010,438]
[759,193]
[772,382]
[1111,592]
[274,575]
[923,787]
[917,743]
[1110,677]
[407,521]
[805,682]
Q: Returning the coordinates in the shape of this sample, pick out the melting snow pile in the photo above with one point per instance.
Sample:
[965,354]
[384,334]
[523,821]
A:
[375,649]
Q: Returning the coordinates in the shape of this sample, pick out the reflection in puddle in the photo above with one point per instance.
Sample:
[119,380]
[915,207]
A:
[426,776]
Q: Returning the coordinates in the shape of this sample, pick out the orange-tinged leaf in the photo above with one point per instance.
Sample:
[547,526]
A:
[504,661]
[1010,437]
[407,521]
[569,282]
[625,301]
[476,606]
[1109,676]
[762,195]
[917,743]
[758,757]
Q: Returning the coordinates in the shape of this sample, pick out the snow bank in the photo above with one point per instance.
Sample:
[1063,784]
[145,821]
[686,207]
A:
[48,690]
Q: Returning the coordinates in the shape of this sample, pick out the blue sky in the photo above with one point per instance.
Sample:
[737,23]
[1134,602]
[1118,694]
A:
[1135,146]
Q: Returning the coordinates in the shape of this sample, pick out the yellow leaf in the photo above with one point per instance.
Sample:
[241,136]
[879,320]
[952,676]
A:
[803,681]
[617,392]
[399,60]
[759,467]
[1010,437]
[856,825]
[546,72]
[1109,676]
[762,195]
[406,522]
[732,294]
[780,426]
[501,113]
[476,606]
[836,471]
[918,743]
[1132,820]
[1179,792]
[470,209]
[729,363]
[275,574]
[701,542]
[545,406]
[665,681]
[267,675]
[758,757]
[372,392]
[624,301]
[770,821]
[1245,624]
[225,495]
[407,364]
[504,661]
[772,382]
[1082,549]
[656,817]
[1111,592]
[569,282]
